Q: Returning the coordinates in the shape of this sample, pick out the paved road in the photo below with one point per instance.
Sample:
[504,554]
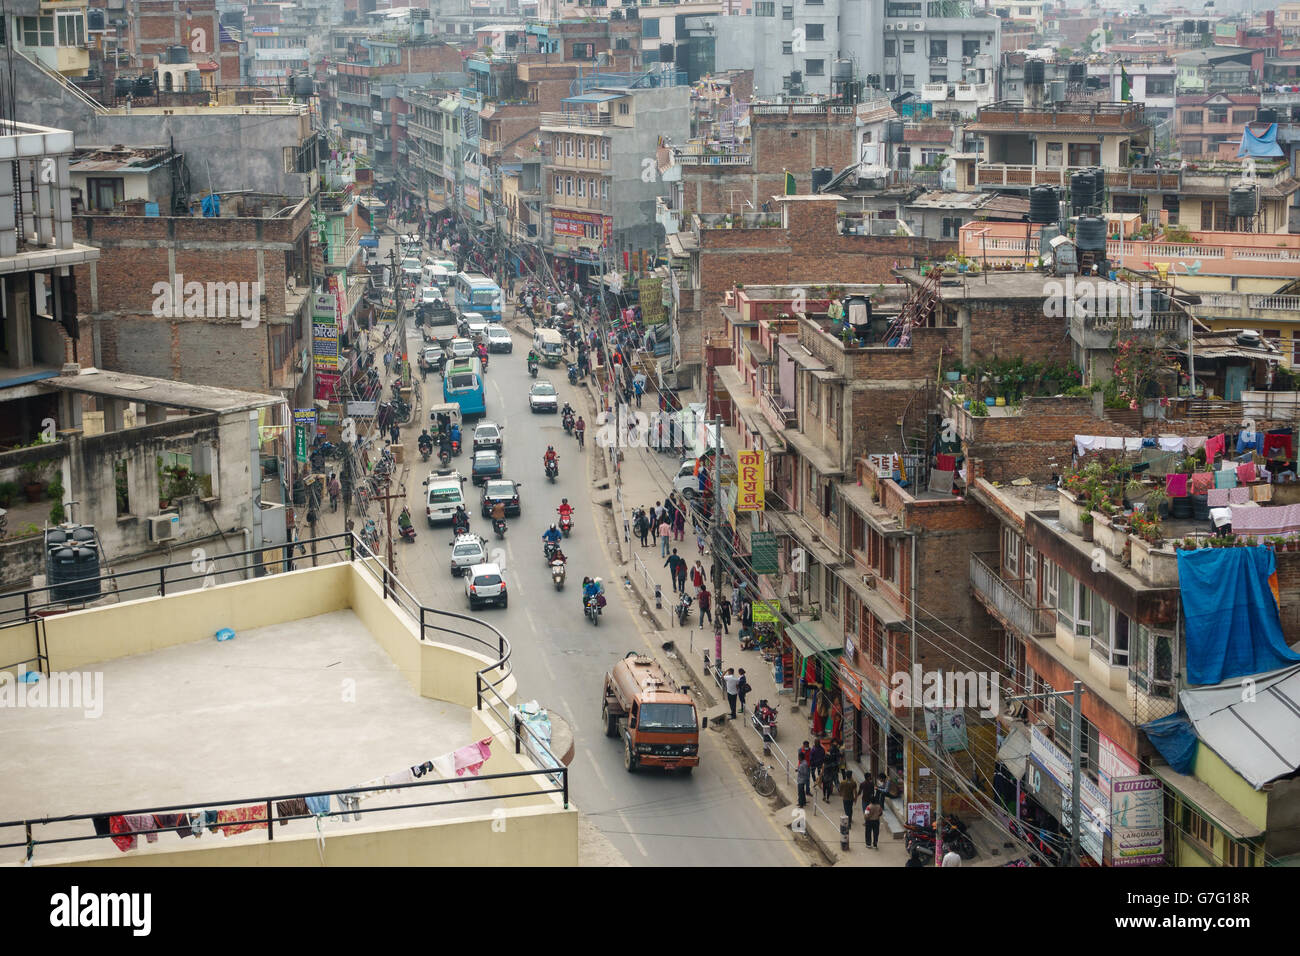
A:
[709,818]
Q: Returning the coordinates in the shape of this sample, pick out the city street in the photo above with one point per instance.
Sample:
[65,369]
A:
[711,817]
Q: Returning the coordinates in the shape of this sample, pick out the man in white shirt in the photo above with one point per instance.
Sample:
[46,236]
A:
[732,683]
[951,858]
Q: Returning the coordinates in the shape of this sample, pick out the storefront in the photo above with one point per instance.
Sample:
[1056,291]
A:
[816,653]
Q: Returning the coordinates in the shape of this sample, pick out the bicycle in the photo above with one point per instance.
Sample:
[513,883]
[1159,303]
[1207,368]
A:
[760,776]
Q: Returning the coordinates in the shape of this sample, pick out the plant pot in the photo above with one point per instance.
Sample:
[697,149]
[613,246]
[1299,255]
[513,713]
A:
[34,491]
[1087,530]
[953,376]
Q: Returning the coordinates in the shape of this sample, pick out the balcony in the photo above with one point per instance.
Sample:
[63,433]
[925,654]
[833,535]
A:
[780,410]
[353,99]
[489,147]
[341,256]
[420,131]
[1099,331]
[565,120]
[1005,602]
[581,164]
[711,156]
[935,91]
[581,202]
[1004,175]
[1012,116]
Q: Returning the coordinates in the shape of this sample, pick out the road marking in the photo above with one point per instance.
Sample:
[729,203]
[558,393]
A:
[636,840]
[596,767]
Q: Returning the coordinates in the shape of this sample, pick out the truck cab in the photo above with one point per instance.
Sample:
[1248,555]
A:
[655,718]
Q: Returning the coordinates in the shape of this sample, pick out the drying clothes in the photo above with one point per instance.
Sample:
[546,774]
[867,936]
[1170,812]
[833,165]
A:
[941,482]
[238,819]
[1246,472]
[1238,496]
[1113,443]
[1159,463]
[1261,492]
[1202,482]
[945,462]
[141,823]
[318,805]
[101,826]
[366,794]
[1176,485]
[1171,442]
[422,769]
[1257,520]
[176,822]
[1250,440]
[1132,444]
[1086,443]
[118,824]
[1149,443]
[1217,498]
[1221,517]
[209,820]
[472,757]
[1277,445]
[1194,443]
[1213,448]
[195,821]
[348,803]
[444,767]
[399,779]
[296,807]
[1225,479]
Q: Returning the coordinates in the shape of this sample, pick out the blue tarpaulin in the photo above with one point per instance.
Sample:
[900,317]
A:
[1174,737]
[1260,146]
[212,206]
[1230,614]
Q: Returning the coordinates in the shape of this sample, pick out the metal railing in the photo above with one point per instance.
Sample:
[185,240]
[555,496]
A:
[1019,613]
[32,605]
[574,119]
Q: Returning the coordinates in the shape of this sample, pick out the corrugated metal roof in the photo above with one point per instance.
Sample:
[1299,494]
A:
[1254,727]
[592,98]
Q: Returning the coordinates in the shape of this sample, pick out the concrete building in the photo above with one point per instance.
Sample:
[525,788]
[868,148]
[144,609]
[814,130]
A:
[51,35]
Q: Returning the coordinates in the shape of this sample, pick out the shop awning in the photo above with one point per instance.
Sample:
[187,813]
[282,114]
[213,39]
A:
[1208,803]
[813,638]
[1250,723]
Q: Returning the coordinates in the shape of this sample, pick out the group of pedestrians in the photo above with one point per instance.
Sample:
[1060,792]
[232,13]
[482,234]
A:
[660,524]
[817,765]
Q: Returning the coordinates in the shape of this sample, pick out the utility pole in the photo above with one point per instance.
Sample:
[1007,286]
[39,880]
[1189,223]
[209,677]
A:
[1076,758]
[388,515]
[717,506]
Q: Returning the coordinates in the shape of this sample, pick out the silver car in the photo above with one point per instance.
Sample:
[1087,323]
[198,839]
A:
[542,397]
[467,551]
[484,585]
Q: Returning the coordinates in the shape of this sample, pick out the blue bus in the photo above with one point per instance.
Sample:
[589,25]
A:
[462,383]
[477,293]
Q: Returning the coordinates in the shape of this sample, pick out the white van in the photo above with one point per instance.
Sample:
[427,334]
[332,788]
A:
[436,275]
[443,494]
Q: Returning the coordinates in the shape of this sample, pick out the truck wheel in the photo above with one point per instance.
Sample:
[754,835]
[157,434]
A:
[629,758]
[611,722]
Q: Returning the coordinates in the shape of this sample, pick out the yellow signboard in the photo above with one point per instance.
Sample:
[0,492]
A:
[749,481]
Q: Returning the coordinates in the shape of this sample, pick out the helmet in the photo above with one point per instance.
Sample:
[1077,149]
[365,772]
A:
[553,528]
[564,501]
[550,448]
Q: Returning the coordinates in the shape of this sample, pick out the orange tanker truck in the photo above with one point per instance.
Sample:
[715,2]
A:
[655,717]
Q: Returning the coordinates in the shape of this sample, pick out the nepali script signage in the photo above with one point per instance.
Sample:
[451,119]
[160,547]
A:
[749,481]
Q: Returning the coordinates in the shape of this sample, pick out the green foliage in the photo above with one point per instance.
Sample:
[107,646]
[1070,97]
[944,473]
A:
[8,491]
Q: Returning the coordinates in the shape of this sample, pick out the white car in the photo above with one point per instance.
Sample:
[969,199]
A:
[542,397]
[430,295]
[411,269]
[488,436]
[462,348]
[687,483]
[443,494]
[467,551]
[473,325]
[484,585]
[499,339]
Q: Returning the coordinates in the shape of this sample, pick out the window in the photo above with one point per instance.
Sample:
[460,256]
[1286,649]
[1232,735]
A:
[970,47]
[951,226]
[815,31]
[72,29]
[103,194]
[909,46]
[1218,114]
[1011,552]
[815,67]
[1085,154]
[1171,203]
[568,146]
[650,29]
[787,47]
[1238,854]
[904,10]
[939,47]
[909,81]
[1192,117]
[877,643]
[568,185]
[604,149]
[787,13]
[123,486]
[1160,86]
[38,31]
[623,109]
[891,83]
[1110,631]
[1198,828]
[604,189]
[831,593]
[765,8]
[582,147]
[891,48]
[938,78]
[850,625]
[582,188]
[584,51]
[559,185]
[1151,662]
[1243,116]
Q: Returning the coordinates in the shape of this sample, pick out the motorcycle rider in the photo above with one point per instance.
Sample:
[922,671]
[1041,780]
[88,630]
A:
[591,589]
[552,535]
[498,511]
[460,520]
[549,458]
[565,511]
[533,358]
[425,442]
[404,520]
[579,429]
[566,411]
[454,433]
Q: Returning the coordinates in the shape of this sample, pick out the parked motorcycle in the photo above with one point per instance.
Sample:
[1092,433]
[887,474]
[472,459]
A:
[566,524]
[683,609]
[499,526]
[558,570]
[763,718]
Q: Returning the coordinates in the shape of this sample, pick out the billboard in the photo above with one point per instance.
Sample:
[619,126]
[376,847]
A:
[749,481]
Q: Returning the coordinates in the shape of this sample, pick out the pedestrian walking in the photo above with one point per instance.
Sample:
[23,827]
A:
[395,433]
[334,489]
[388,360]
[818,760]
[665,537]
[951,859]
[834,759]
[642,526]
[828,783]
[742,689]
[802,776]
[848,793]
[681,576]
[731,680]
[638,387]
[679,526]
[676,566]
[706,606]
[724,615]
[872,809]
[697,576]
[652,519]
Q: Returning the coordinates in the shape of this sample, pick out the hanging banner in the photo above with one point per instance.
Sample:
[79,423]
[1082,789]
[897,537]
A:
[651,293]
[1137,821]
[325,333]
[750,485]
[762,552]
[300,443]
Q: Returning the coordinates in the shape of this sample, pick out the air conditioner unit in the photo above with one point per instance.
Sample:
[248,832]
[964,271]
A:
[918,25]
[966,60]
[941,60]
[165,527]
[889,26]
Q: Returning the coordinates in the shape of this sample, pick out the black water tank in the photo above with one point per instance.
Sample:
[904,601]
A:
[1090,235]
[303,85]
[1035,73]
[1098,186]
[143,86]
[1242,201]
[1044,204]
[1266,116]
[122,85]
[94,19]
[72,563]
[821,175]
[893,131]
[1077,72]
[1082,191]
[178,54]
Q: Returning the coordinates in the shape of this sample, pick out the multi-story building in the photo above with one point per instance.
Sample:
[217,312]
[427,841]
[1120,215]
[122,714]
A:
[1207,121]
[896,47]
[51,35]
[600,179]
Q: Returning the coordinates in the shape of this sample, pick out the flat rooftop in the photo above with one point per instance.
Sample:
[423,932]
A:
[160,391]
[288,708]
